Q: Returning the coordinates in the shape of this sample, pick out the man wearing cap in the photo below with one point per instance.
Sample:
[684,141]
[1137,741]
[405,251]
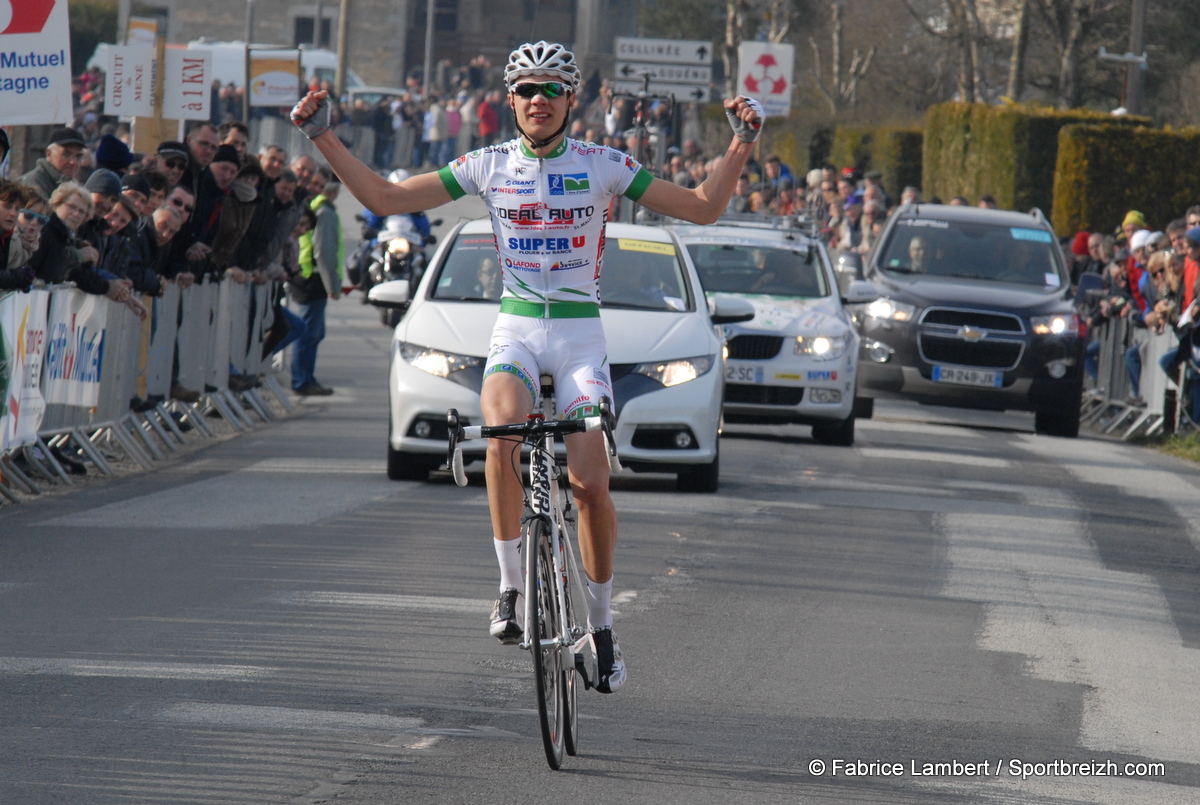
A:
[215,185]
[105,188]
[874,178]
[1138,256]
[61,164]
[1191,265]
[171,160]
[136,188]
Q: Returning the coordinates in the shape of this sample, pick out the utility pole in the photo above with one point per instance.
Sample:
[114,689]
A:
[430,7]
[1135,76]
[249,21]
[343,47]
[123,11]
[317,26]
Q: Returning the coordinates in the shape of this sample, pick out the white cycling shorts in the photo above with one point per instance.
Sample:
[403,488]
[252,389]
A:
[572,351]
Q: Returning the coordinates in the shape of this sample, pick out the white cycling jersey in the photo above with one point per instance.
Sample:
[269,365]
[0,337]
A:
[548,216]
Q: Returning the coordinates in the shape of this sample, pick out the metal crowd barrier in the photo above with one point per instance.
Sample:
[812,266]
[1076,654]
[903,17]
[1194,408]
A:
[1109,406]
[79,370]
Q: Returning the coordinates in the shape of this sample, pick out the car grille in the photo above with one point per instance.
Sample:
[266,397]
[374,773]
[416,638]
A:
[978,319]
[755,347]
[984,353]
[763,395]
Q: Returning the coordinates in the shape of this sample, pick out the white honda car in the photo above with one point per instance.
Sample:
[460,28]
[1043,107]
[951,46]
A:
[665,355]
[797,360]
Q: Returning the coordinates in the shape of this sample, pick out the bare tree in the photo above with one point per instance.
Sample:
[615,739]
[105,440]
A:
[840,93]
[1069,22]
[1016,63]
[961,27]
[735,25]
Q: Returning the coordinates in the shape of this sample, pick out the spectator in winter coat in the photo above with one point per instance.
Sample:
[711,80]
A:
[64,155]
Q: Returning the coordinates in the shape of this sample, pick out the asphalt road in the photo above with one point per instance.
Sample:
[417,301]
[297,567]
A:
[272,621]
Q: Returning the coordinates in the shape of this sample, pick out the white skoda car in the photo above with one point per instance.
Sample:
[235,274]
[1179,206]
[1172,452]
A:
[665,355]
[797,360]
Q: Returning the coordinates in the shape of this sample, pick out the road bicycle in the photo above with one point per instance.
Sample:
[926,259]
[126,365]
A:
[554,631]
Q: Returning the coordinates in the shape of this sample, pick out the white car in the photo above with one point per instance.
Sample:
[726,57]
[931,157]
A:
[665,355]
[797,360]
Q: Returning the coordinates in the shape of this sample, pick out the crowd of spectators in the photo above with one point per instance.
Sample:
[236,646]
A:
[126,225]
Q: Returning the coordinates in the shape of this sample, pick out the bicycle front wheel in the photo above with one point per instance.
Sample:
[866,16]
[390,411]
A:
[543,639]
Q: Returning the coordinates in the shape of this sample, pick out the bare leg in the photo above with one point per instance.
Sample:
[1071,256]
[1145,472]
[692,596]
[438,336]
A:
[587,465]
[504,400]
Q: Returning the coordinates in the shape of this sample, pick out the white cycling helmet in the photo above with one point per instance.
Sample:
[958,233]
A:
[542,58]
[398,175]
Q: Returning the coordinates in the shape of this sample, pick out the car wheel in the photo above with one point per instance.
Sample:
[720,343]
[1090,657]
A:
[704,478]
[1058,423]
[838,434]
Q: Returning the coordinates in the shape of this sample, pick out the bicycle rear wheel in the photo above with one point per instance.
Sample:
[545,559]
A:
[543,641]
[570,692]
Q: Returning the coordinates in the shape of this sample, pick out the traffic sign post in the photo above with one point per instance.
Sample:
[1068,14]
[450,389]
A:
[678,67]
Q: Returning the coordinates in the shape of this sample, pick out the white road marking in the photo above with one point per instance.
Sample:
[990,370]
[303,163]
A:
[896,454]
[135,670]
[1047,595]
[324,466]
[426,603]
[916,427]
[266,493]
[244,716]
[1006,790]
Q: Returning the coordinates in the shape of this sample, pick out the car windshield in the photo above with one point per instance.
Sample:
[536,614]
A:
[640,274]
[758,269]
[470,272]
[926,246]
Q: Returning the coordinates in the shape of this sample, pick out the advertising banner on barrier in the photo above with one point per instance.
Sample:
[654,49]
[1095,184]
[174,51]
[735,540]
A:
[8,363]
[75,350]
[35,63]
[31,352]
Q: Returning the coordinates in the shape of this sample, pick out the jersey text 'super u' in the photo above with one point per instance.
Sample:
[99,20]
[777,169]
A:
[548,214]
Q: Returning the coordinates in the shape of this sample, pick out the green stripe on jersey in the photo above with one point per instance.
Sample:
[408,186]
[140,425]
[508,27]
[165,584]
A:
[455,190]
[637,187]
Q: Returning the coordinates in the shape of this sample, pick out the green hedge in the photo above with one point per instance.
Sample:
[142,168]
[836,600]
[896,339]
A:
[895,152]
[1104,171]
[1008,151]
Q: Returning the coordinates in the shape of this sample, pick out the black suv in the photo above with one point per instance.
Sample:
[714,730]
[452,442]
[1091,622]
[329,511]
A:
[974,309]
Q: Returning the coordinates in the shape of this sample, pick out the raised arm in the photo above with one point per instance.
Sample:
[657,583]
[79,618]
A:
[704,204]
[415,194]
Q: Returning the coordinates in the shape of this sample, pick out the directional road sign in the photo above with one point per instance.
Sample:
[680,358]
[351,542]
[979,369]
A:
[674,73]
[664,51]
[684,93]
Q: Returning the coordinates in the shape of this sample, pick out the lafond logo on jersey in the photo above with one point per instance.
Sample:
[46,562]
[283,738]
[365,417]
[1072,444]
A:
[550,245]
[568,184]
[570,264]
[541,215]
[528,265]
[28,16]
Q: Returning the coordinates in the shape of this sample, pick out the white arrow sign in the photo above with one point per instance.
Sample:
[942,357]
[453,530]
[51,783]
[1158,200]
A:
[684,93]
[664,51]
[674,73]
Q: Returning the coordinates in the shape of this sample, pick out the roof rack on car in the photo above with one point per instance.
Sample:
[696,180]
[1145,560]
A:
[1037,213]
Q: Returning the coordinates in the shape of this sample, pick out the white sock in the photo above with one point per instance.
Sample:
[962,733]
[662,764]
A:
[508,553]
[599,604]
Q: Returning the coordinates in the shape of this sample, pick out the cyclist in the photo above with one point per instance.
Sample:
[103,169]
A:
[548,196]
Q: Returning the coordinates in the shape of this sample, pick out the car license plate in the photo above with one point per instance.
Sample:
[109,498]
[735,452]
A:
[967,377]
[742,373]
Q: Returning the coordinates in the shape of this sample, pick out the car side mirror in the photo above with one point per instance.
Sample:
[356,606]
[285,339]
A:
[725,309]
[391,295]
[860,292]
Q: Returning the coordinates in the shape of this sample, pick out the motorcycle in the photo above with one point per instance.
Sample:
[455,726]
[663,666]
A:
[358,260]
[399,254]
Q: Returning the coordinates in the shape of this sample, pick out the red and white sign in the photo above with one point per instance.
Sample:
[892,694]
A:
[35,62]
[766,73]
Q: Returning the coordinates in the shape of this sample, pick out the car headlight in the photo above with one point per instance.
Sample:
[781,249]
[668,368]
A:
[1058,324]
[884,308]
[399,247]
[672,373]
[822,347]
[435,361]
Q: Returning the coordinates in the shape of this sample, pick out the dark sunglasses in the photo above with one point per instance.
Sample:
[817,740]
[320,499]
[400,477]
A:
[175,163]
[36,216]
[551,89]
[181,205]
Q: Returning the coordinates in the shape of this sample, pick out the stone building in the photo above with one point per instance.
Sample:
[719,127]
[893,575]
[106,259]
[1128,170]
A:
[387,37]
